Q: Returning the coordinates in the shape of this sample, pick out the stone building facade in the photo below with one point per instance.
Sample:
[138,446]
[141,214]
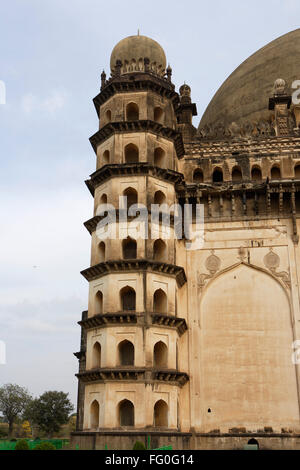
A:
[193,347]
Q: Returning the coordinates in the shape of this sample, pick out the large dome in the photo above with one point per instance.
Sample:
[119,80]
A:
[243,97]
[132,51]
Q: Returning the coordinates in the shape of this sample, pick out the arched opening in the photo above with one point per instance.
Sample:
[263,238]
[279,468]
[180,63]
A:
[158,115]
[159,157]
[103,199]
[275,173]
[128,298]
[297,171]
[256,173]
[160,302]
[236,174]
[105,157]
[98,303]
[198,176]
[131,153]
[126,353]
[101,252]
[96,356]
[159,198]
[161,414]
[108,115]
[132,196]
[126,413]
[129,247]
[253,442]
[132,112]
[217,175]
[94,415]
[160,355]
[159,250]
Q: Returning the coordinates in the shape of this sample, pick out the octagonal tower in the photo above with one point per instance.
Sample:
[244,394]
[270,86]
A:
[131,378]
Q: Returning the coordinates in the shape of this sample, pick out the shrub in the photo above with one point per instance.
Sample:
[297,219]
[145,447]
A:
[3,433]
[22,445]
[13,440]
[139,446]
[45,446]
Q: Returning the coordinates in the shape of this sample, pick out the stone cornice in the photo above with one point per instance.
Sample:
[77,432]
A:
[254,146]
[99,320]
[138,126]
[134,265]
[80,354]
[136,169]
[134,374]
[170,321]
[91,224]
[136,318]
[192,189]
[133,82]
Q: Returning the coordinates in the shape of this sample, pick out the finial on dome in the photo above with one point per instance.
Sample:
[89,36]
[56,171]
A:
[169,72]
[103,79]
[279,86]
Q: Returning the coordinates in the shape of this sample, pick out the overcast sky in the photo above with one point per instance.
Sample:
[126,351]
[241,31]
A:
[51,55]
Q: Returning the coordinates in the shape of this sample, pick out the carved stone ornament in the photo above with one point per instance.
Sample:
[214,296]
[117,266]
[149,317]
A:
[212,264]
[272,262]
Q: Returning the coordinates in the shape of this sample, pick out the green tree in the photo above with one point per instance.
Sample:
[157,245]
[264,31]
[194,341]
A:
[49,412]
[13,401]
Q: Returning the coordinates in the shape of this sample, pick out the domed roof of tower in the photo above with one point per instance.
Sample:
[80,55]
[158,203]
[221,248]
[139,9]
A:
[132,51]
[241,103]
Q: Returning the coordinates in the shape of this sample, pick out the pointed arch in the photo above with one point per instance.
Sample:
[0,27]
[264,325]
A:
[94,414]
[161,411]
[127,298]
[126,413]
[131,153]
[126,353]
[240,325]
[96,355]
[160,301]
[217,175]
[129,248]
[236,174]
[98,303]
[132,112]
[160,250]
[160,355]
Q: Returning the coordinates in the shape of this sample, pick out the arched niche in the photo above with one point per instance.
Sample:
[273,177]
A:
[126,353]
[96,356]
[160,414]
[94,414]
[160,355]
[126,413]
[247,376]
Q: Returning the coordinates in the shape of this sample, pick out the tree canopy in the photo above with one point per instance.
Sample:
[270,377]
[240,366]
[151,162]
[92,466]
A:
[13,401]
[50,411]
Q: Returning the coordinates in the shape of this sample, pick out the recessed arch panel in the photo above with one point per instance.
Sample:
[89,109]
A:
[246,371]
